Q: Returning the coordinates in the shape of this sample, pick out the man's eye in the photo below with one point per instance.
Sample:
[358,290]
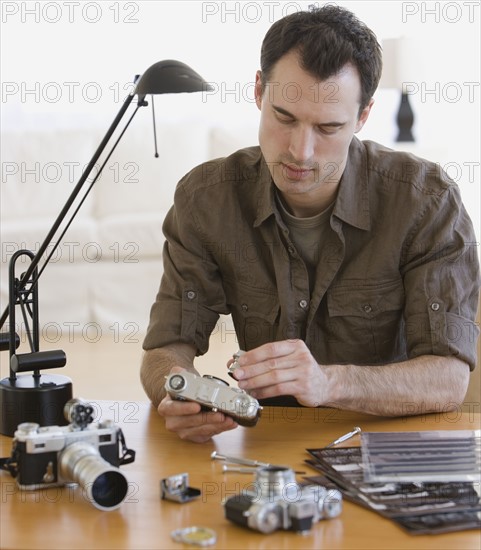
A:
[283,118]
[327,131]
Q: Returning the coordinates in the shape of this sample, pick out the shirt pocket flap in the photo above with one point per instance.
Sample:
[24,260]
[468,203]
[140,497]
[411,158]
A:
[254,302]
[365,301]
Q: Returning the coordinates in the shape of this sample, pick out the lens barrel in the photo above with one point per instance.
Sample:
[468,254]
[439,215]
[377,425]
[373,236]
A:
[274,481]
[106,487]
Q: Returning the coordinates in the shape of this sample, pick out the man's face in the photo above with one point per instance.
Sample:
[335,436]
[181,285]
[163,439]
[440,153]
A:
[305,130]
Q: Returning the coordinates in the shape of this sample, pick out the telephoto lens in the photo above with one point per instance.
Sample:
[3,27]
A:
[105,486]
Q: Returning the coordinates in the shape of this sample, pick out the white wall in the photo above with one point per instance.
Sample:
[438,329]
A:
[67,63]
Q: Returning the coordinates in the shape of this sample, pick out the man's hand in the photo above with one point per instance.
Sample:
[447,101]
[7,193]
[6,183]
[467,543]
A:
[283,368]
[422,384]
[188,421]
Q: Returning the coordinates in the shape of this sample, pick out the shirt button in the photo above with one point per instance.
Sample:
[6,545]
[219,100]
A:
[191,295]
[291,250]
[244,307]
[367,308]
[435,306]
[303,304]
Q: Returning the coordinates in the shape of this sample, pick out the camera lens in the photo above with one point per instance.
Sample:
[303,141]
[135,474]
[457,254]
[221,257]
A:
[105,486]
[108,488]
[274,481]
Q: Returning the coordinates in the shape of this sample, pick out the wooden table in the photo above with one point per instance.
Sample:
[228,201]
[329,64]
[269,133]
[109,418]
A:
[63,517]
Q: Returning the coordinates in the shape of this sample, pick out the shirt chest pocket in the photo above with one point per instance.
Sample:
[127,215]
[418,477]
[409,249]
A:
[368,320]
[255,313]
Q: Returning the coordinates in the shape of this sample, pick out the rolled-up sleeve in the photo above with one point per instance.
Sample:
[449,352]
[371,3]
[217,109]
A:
[442,280]
[190,296]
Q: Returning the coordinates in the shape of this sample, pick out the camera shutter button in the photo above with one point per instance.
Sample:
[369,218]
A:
[108,423]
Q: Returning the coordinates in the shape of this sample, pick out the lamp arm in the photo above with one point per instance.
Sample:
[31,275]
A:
[63,213]
[79,206]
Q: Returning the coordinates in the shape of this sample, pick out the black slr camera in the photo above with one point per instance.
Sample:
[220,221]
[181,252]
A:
[83,452]
[276,501]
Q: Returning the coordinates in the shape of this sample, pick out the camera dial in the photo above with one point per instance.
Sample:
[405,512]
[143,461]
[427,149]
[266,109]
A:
[177,382]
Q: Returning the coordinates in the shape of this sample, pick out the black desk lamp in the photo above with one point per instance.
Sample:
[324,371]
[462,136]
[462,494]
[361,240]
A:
[38,397]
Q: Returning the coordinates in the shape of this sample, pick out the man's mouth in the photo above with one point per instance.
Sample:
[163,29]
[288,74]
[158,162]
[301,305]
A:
[295,172]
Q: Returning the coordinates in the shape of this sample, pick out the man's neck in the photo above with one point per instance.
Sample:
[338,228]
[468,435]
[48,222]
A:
[305,205]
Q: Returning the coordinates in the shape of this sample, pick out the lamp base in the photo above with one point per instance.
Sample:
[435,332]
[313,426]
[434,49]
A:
[405,119]
[39,399]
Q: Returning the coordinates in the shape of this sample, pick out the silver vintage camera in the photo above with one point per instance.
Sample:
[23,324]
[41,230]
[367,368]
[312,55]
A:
[276,501]
[82,452]
[214,394]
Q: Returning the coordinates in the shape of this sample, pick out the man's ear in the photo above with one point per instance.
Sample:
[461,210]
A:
[364,116]
[258,89]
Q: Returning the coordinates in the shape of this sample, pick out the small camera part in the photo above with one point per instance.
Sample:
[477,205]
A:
[214,394]
[233,366]
[79,413]
[177,488]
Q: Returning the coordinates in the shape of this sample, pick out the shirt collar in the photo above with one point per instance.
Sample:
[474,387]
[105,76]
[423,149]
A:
[352,201]
[265,193]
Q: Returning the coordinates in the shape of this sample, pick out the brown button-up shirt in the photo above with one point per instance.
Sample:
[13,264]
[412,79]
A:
[397,276]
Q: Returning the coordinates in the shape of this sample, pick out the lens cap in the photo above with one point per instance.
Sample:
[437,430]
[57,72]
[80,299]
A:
[196,536]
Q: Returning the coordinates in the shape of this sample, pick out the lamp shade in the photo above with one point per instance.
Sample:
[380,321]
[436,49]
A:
[396,66]
[170,77]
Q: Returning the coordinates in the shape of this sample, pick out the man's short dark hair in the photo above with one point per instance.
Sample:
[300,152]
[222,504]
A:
[326,39]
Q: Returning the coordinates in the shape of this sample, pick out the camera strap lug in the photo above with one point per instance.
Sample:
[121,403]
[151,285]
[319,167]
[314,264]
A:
[128,455]
[10,464]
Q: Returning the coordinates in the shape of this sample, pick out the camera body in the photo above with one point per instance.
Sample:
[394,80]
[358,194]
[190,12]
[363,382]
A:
[81,452]
[276,501]
[214,394]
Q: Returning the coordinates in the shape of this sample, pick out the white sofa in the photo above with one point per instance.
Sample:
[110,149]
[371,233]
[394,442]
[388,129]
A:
[107,268]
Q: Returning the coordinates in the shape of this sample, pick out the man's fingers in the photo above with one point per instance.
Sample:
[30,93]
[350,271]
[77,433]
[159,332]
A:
[189,422]
[205,432]
[171,407]
[268,351]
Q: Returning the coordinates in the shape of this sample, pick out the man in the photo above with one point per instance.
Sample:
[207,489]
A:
[350,270]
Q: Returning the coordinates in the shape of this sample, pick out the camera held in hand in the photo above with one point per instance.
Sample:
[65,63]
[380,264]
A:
[214,394]
[276,501]
[83,452]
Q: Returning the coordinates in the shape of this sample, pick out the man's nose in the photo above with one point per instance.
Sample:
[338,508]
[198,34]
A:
[301,146]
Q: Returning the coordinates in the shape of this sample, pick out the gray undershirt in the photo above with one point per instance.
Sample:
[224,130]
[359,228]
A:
[308,235]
